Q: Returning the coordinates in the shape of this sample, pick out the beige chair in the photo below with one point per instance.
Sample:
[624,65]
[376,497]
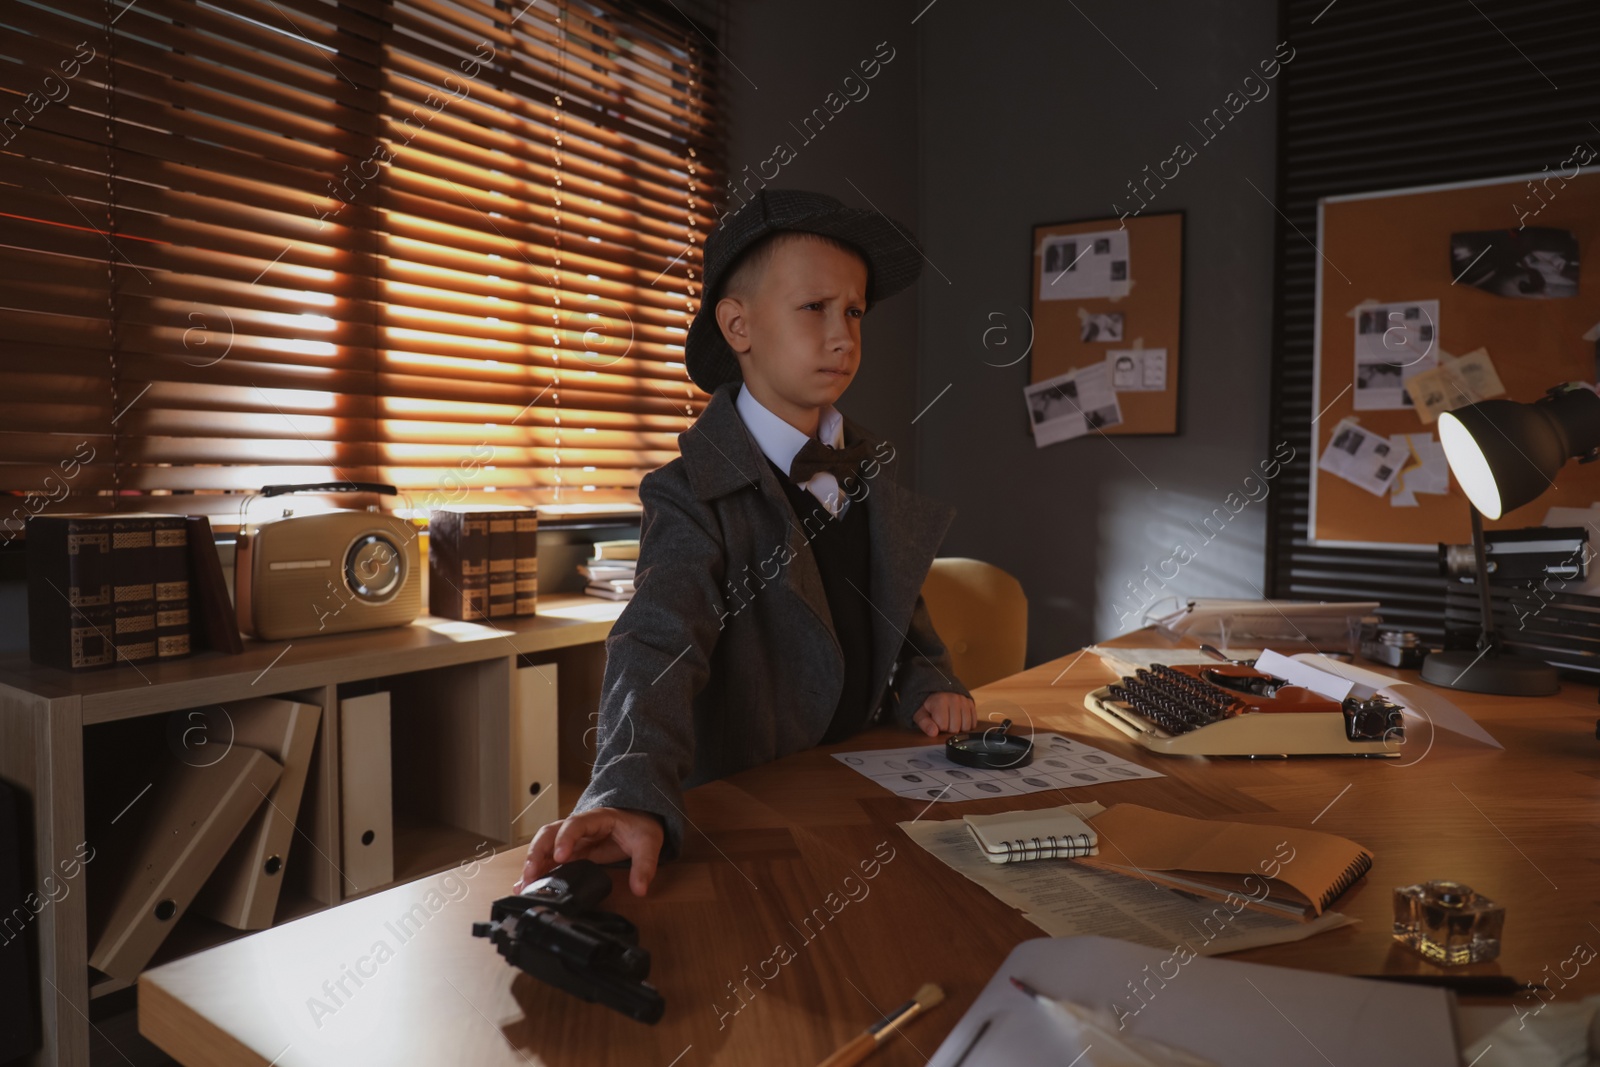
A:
[981,614]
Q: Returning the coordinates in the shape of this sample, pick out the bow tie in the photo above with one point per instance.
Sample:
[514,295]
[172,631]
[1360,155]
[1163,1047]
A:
[815,457]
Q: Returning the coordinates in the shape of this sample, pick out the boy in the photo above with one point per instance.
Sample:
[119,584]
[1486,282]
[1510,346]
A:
[778,598]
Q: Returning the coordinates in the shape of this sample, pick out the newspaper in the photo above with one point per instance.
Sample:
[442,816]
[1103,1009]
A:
[1065,899]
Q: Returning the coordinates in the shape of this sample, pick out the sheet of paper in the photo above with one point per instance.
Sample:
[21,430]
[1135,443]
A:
[1432,475]
[1401,493]
[1072,404]
[1306,675]
[1476,369]
[1394,343]
[1064,899]
[1424,470]
[1203,615]
[1436,391]
[1138,370]
[1084,266]
[1128,660]
[1421,703]
[1222,1011]
[1454,383]
[1361,457]
[1426,704]
[925,772]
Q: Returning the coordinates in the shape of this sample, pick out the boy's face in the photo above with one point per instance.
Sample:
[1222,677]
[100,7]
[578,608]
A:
[797,335]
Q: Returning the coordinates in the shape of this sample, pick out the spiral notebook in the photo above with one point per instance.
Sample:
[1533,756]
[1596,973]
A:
[1043,833]
[1278,869]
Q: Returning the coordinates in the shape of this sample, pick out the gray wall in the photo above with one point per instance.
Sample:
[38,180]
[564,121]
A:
[1024,113]
[1030,114]
[792,57]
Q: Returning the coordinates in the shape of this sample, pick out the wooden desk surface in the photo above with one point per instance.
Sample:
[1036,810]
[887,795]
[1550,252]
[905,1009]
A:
[768,846]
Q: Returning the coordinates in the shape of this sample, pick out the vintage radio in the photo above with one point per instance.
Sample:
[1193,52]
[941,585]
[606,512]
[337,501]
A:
[328,572]
[1234,710]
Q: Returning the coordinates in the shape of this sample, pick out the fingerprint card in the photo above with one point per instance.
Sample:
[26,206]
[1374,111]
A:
[925,772]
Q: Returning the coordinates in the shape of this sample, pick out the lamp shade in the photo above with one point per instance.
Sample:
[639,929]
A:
[1505,453]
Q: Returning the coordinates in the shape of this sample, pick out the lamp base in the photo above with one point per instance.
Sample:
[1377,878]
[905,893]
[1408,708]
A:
[1493,672]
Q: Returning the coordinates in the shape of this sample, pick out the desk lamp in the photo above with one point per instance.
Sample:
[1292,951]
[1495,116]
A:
[1505,454]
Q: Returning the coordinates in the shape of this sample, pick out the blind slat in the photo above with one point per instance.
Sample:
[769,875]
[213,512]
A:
[250,246]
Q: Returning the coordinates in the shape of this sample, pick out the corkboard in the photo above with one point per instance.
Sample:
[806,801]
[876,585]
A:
[1152,315]
[1395,246]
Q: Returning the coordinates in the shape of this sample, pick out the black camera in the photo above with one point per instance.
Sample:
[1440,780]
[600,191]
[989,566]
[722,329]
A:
[1391,645]
[553,931]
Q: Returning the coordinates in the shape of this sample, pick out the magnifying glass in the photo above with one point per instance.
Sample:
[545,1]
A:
[991,749]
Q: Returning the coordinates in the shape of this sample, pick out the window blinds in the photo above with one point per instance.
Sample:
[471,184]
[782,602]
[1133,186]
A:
[448,244]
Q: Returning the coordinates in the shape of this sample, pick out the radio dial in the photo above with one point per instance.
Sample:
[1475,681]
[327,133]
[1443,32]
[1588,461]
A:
[374,568]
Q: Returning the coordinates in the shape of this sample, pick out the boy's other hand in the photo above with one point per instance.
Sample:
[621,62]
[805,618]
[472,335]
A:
[948,712]
[603,835]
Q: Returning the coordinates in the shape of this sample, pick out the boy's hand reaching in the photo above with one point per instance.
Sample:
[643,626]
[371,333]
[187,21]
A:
[603,835]
[948,712]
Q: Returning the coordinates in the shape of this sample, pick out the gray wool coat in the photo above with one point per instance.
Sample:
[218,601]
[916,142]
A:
[726,657]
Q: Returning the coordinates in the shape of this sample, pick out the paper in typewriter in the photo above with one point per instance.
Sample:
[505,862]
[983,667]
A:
[1065,899]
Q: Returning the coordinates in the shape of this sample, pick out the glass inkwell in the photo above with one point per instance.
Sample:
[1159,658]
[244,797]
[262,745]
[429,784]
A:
[1448,923]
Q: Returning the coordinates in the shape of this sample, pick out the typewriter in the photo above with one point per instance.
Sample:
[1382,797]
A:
[1235,710]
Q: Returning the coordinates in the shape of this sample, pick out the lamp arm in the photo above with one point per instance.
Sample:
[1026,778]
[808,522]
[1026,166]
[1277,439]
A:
[1486,635]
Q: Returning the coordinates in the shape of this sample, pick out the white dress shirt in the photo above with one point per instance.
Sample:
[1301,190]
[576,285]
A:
[782,442]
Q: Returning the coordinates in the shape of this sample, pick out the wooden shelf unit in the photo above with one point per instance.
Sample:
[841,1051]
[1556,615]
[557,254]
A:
[454,692]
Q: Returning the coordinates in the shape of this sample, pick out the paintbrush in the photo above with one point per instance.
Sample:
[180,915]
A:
[861,1046]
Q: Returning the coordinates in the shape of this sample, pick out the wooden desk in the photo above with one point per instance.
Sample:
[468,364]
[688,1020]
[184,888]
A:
[768,846]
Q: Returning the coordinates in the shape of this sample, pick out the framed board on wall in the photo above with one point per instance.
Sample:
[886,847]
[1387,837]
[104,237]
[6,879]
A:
[1410,281]
[1107,319]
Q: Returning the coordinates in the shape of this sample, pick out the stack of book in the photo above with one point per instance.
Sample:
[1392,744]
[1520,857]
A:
[106,589]
[483,561]
[135,587]
[610,570]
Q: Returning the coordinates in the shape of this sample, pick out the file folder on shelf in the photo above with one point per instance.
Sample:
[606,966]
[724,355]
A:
[534,745]
[198,813]
[243,891]
[366,800]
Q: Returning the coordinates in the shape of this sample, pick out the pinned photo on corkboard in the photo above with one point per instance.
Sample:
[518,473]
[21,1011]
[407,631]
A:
[1538,263]
[1100,326]
[1114,281]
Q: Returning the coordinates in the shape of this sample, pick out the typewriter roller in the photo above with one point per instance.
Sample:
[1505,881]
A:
[1229,710]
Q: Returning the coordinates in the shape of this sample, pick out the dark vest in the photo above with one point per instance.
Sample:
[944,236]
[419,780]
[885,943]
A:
[841,547]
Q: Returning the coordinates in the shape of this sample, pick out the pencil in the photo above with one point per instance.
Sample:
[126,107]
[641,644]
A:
[972,1044]
[1473,985]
